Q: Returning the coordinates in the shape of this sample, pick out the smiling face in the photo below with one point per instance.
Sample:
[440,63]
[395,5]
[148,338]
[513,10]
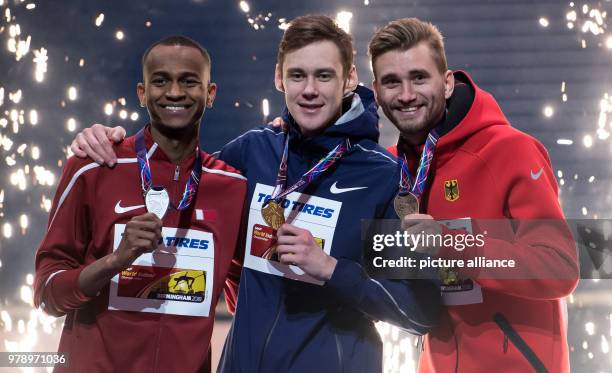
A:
[314,83]
[411,90]
[176,87]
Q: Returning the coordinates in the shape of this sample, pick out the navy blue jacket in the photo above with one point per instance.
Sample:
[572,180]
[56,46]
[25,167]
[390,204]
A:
[283,325]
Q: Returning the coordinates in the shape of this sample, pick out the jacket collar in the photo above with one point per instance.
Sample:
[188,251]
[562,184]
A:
[359,121]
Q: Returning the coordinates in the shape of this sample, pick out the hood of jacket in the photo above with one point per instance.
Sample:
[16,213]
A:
[469,110]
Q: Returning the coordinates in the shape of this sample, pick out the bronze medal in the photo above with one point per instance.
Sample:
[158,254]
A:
[405,205]
[273,214]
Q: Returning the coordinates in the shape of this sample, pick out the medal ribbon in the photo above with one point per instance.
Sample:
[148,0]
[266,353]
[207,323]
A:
[324,163]
[191,187]
[407,183]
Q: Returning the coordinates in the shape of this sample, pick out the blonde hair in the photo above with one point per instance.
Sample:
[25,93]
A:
[406,33]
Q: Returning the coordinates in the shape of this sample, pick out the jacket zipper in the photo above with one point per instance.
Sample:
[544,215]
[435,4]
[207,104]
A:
[161,319]
[505,343]
[511,334]
[339,348]
[157,351]
[452,328]
[269,336]
[176,190]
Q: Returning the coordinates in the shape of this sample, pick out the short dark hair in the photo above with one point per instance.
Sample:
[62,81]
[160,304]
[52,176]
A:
[404,34]
[182,41]
[309,29]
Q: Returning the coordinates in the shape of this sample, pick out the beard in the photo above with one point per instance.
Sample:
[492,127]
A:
[414,124]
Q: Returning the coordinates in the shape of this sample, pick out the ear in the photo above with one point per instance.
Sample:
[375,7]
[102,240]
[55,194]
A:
[449,84]
[351,81]
[278,78]
[140,91]
[212,92]
[375,90]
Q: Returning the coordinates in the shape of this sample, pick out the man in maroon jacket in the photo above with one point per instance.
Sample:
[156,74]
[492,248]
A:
[136,257]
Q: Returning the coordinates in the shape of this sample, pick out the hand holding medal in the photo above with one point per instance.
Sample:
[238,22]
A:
[425,225]
[142,235]
[297,246]
[272,210]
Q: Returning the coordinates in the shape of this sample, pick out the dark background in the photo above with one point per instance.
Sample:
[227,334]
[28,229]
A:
[501,43]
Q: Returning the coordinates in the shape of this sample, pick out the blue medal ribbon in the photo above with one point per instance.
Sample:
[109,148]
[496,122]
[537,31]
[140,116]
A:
[324,164]
[146,181]
[416,185]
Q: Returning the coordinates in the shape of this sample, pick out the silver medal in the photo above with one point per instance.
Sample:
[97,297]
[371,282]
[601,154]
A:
[157,201]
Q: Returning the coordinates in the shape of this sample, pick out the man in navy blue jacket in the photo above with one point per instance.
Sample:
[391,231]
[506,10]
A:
[305,301]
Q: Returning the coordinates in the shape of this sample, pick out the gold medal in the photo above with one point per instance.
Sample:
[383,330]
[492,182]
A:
[405,205]
[273,214]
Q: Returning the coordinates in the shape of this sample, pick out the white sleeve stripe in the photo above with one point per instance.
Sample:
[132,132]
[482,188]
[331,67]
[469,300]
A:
[127,160]
[390,296]
[69,187]
[221,172]
[76,176]
[152,150]
[377,152]
[51,276]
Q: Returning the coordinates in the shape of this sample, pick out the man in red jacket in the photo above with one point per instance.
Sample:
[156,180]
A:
[479,168]
[136,257]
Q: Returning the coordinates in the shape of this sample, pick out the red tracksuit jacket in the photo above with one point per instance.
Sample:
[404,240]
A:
[88,204]
[485,169]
